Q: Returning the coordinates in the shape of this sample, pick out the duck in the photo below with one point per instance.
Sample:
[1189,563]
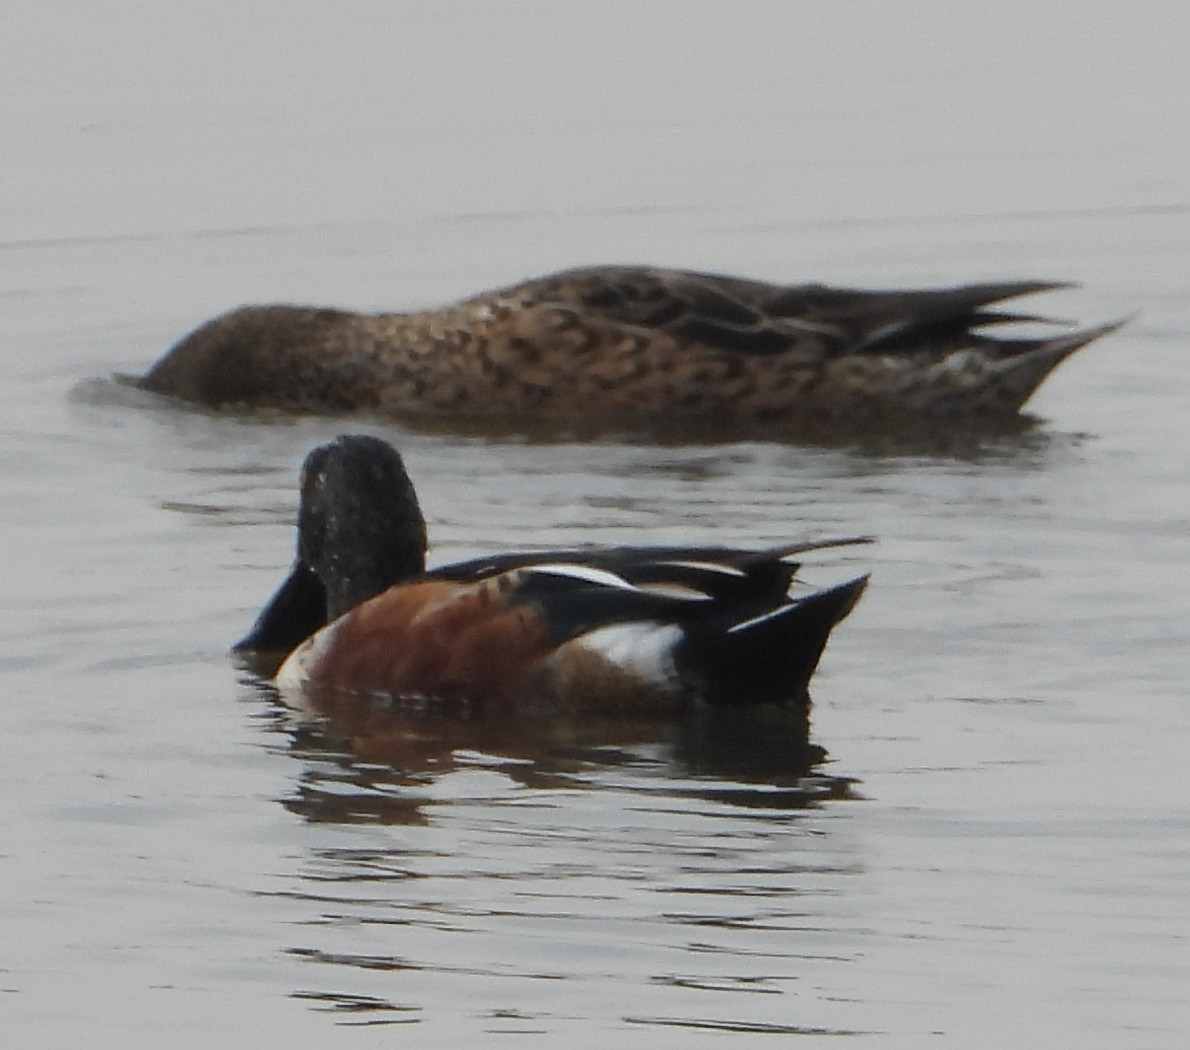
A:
[627,630]
[633,345]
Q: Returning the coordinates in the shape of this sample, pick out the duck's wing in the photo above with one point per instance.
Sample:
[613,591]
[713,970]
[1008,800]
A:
[299,607]
[726,574]
[723,573]
[573,599]
[758,317]
[737,649]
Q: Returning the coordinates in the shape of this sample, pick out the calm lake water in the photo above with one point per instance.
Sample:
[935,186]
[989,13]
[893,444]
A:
[185,862]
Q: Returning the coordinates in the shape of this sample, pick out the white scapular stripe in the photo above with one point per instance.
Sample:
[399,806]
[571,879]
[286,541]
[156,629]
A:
[581,572]
[707,566]
[675,590]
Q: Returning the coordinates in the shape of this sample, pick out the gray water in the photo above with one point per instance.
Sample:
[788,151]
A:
[185,862]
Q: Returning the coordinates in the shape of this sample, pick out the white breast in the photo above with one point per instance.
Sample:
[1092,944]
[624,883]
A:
[294,673]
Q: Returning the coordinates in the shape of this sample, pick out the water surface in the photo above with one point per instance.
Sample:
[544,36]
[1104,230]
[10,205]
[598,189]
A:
[995,851]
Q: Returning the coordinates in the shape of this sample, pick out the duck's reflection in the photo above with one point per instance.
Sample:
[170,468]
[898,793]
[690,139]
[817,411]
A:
[372,760]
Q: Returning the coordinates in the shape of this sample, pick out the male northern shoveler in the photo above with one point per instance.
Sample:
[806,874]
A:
[633,344]
[635,629]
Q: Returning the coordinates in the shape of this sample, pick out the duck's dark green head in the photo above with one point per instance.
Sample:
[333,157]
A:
[360,530]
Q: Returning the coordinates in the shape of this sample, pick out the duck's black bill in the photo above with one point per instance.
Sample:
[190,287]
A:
[295,612]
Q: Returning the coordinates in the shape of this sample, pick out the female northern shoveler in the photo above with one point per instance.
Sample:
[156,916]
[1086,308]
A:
[632,344]
[635,629]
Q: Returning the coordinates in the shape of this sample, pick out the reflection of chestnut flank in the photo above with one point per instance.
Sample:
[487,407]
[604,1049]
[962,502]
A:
[632,344]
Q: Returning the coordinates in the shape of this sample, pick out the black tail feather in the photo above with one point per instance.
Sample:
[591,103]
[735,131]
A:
[769,658]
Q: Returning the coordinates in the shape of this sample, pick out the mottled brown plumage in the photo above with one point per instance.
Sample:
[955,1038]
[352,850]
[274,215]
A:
[628,343]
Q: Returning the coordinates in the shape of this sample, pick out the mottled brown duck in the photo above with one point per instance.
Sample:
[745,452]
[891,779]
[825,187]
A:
[634,344]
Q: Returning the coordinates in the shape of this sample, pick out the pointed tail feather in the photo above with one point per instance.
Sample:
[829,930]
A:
[1018,376]
[770,657]
[946,313]
[787,551]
